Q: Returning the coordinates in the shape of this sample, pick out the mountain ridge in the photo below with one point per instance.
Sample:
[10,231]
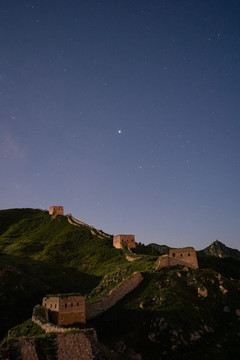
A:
[216,248]
[172,312]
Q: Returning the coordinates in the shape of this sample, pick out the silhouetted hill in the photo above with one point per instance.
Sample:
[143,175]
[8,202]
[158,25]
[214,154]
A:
[220,250]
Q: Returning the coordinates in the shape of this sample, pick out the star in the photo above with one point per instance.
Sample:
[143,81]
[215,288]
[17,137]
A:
[119,131]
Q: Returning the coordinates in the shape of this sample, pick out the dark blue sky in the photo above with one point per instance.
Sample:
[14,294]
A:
[127,113]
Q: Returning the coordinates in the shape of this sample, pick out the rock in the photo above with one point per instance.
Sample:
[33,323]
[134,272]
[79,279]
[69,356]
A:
[226,309]
[158,328]
[132,355]
[195,336]
[120,347]
[208,329]
[223,290]
[179,274]
[175,333]
[202,292]
[218,276]
[237,311]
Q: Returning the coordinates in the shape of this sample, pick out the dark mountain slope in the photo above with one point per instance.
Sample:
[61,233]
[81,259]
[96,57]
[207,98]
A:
[219,249]
[174,314]
[39,255]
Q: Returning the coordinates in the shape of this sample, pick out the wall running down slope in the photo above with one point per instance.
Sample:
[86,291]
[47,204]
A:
[76,222]
[116,294]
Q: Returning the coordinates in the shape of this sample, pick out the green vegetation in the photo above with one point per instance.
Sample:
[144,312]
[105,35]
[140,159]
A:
[229,267]
[218,249]
[172,295]
[40,255]
[27,328]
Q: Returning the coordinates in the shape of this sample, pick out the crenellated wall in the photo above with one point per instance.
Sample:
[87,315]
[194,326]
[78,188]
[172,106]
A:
[116,294]
[120,240]
[65,309]
[56,210]
[182,256]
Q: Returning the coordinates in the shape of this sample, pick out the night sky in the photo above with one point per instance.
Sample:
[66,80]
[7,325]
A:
[125,112]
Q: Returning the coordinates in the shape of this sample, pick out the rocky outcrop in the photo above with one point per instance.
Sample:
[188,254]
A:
[202,292]
[116,294]
[69,346]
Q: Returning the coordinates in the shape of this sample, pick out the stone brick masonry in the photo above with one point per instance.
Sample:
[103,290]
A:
[116,294]
[56,210]
[65,309]
[120,240]
[183,256]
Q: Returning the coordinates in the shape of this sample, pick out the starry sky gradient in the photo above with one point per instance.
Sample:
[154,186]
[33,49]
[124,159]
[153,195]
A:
[126,112]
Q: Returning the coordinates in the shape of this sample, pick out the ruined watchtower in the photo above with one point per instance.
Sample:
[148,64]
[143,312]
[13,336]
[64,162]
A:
[120,240]
[183,256]
[65,309]
[56,210]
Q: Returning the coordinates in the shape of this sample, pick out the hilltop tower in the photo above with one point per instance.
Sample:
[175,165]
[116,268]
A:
[120,240]
[65,309]
[183,256]
[56,210]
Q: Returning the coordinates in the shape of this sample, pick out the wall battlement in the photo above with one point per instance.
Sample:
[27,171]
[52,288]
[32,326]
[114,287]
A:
[183,256]
[65,310]
[120,240]
[97,308]
[56,210]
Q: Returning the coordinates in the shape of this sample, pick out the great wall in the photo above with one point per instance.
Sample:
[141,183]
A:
[116,294]
[65,310]
[73,221]
[83,342]
[70,343]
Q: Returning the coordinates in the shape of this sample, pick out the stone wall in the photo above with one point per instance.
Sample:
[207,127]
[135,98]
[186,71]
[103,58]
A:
[120,240]
[56,210]
[80,345]
[74,347]
[48,327]
[182,256]
[65,309]
[116,294]
[76,222]
[163,262]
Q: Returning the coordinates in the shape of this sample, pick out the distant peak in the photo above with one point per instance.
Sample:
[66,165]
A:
[219,243]
[217,248]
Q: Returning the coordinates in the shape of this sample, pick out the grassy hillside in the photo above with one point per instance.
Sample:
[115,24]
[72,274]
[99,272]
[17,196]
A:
[173,312]
[167,315]
[39,255]
[35,235]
